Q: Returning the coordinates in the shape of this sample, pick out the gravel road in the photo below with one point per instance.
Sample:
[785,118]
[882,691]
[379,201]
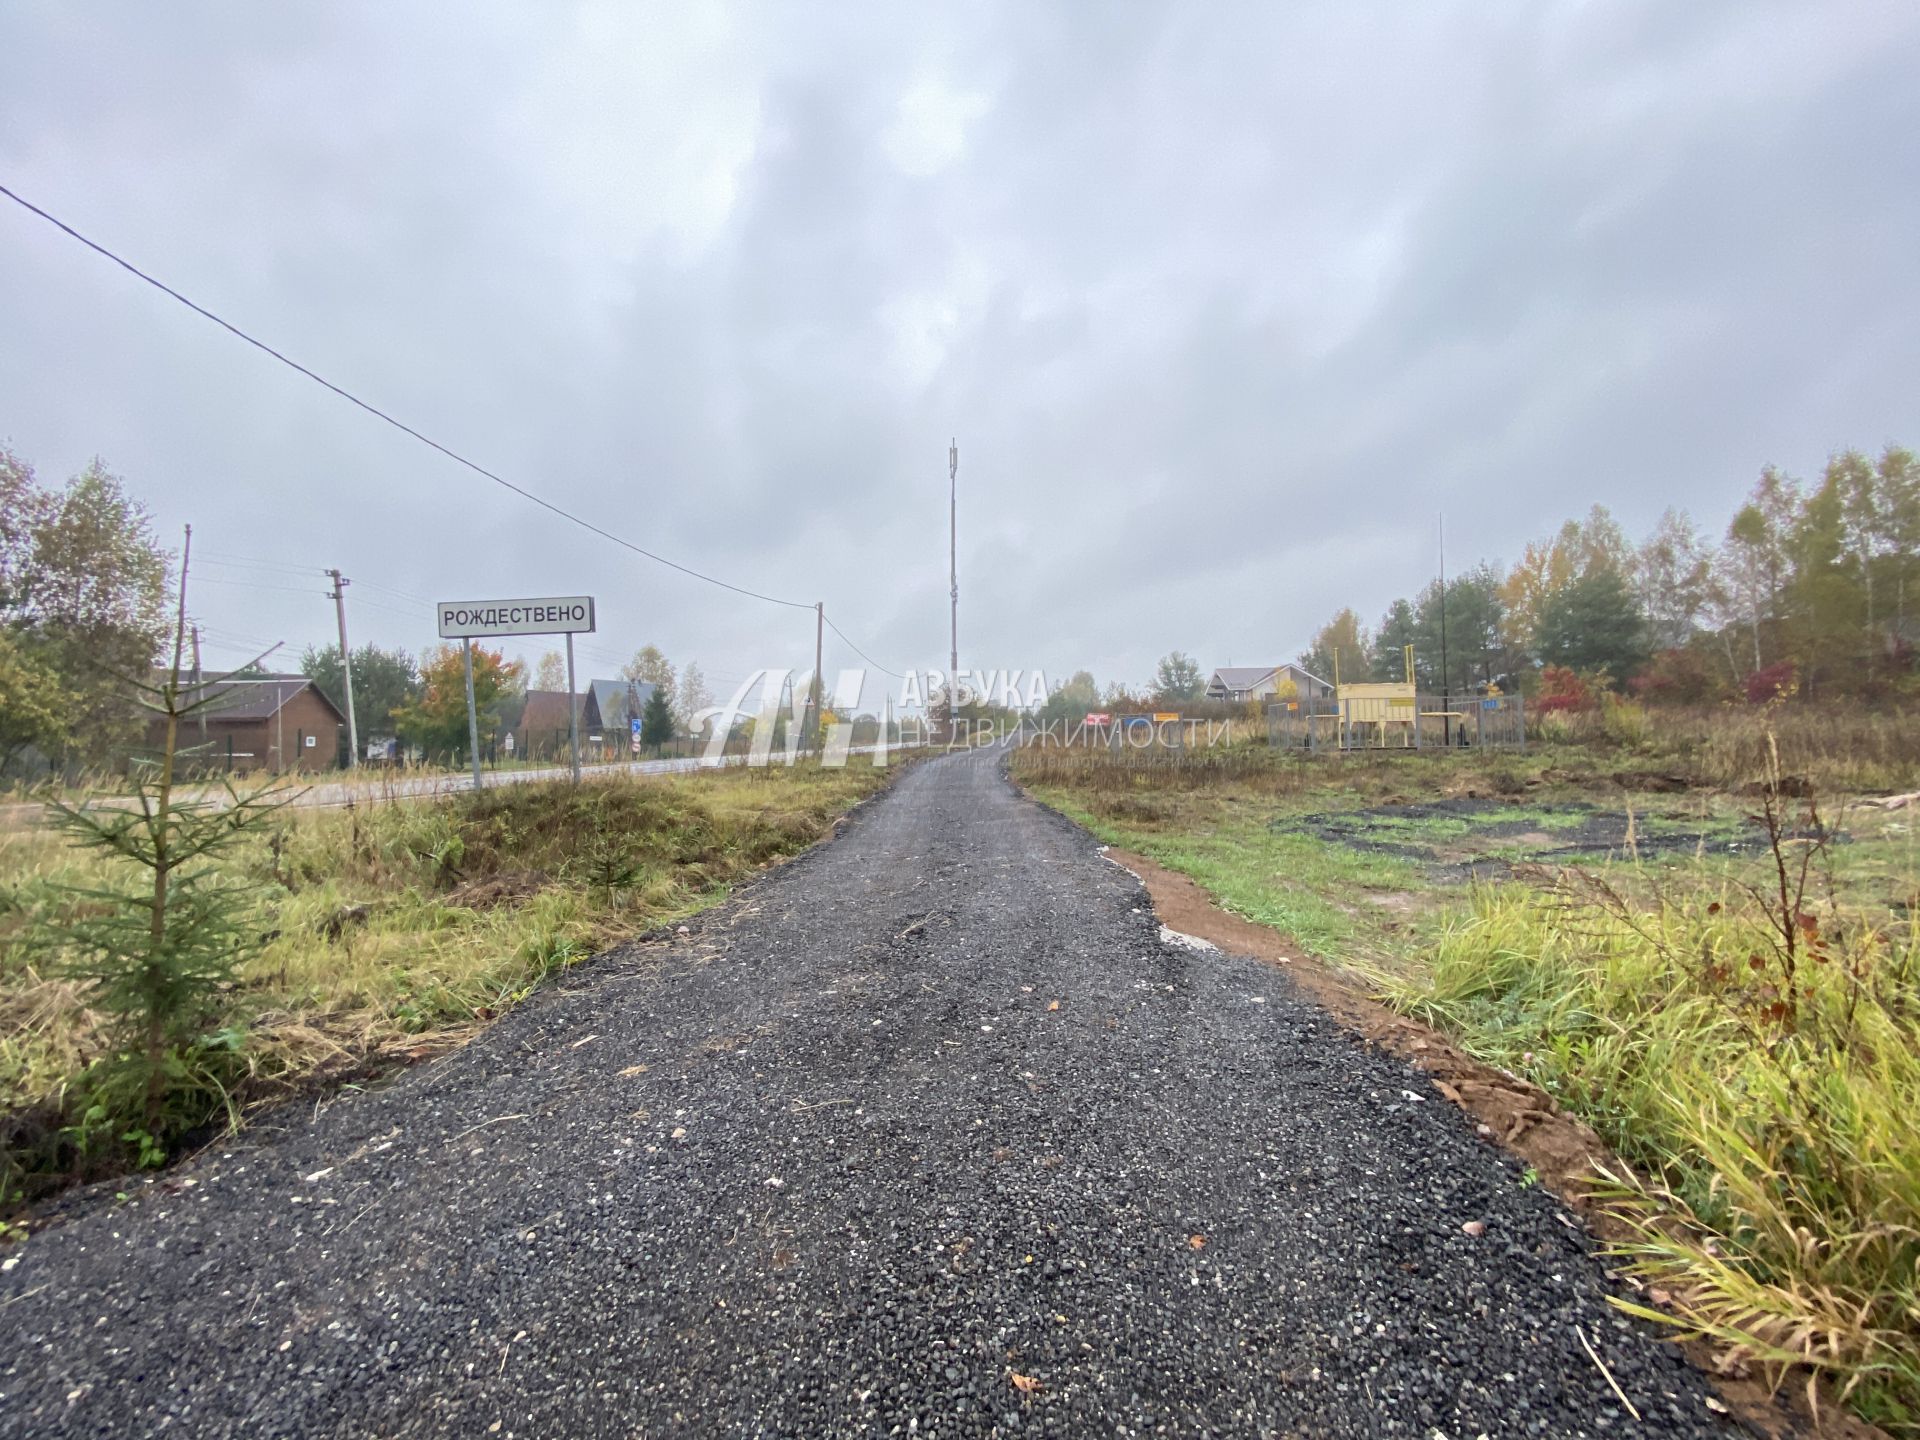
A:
[928,1109]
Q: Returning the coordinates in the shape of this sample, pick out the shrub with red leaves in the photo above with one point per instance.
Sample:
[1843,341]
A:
[1677,677]
[1562,689]
[1776,682]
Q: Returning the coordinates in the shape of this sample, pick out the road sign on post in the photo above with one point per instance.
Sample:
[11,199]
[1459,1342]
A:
[473,713]
[470,620]
[552,615]
[633,733]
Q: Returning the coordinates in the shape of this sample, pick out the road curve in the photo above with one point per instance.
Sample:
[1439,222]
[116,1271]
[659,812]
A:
[930,1108]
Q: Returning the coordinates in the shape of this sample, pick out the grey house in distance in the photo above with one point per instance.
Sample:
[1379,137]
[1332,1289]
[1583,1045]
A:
[1238,683]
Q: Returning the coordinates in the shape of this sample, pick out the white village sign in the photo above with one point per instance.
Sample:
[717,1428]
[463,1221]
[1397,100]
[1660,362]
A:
[469,620]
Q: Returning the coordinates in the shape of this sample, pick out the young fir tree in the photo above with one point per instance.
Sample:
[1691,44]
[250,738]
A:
[161,947]
[656,720]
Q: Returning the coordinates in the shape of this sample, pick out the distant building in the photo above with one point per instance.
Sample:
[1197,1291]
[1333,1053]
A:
[1237,683]
[611,703]
[546,712]
[538,723]
[275,723]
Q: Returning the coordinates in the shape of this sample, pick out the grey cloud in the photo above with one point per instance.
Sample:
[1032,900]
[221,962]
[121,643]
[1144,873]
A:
[1223,304]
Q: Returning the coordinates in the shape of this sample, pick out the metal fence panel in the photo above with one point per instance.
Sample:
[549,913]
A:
[1435,722]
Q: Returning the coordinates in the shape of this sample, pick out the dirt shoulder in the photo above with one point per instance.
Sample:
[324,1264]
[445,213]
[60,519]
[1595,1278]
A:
[1562,1150]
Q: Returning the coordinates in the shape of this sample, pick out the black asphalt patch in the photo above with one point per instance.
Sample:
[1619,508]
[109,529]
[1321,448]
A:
[837,1164]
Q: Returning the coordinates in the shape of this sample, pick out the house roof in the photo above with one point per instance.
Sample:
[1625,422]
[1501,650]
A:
[1241,677]
[1248,677]
[608,701]
[254,697]
[545,710]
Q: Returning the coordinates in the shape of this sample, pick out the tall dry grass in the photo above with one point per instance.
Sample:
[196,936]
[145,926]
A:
[394,930]
[1846,747]
[1753,1053]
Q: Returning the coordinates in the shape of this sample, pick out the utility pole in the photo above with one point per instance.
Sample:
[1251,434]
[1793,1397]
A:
[813,692]
[198,683]
[1446,693]
[953,571]
[339,597]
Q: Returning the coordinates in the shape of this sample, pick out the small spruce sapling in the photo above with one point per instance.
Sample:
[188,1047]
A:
[162,949]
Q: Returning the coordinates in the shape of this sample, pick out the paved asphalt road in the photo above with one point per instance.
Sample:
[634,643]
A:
[375,786]
[835,1164]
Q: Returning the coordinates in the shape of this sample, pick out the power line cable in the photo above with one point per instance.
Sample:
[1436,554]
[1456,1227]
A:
[256,585]
[231,557]
[858,651]
[407,595]
[253,565]
[380,414]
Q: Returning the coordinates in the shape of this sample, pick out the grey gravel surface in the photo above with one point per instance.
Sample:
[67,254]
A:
[835,1164]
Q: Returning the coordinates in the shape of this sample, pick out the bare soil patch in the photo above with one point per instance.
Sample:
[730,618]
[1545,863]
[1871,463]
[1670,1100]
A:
[1474,837]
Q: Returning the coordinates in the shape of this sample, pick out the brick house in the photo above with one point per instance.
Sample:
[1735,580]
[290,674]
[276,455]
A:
[275,723]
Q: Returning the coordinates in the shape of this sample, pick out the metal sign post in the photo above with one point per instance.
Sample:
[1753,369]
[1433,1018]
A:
[468,620]
[473,715]
[573,713]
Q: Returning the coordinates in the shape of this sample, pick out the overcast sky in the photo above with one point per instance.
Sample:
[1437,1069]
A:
[1225,304]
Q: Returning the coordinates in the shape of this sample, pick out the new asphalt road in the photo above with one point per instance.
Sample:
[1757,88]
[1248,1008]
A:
[926,1133]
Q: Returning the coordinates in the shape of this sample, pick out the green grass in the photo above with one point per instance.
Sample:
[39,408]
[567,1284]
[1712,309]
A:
[1790,1143]
[1773,1153]
[1307,889]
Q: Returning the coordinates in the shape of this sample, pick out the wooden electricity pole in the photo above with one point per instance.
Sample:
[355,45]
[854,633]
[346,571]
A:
[339,597]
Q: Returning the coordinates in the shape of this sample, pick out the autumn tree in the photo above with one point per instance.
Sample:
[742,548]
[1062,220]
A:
[436,720]
[1547,567]
[1826,601]
[1340,648]
[650,665]
[34,703]
[1073,699]
[83,594]
[1673,578]
[550,673]
[693,695]
[1754,563]
[1899,477]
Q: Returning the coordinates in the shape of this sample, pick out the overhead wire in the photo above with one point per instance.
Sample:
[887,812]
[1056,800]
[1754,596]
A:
[424,439]
[260,585]
[858,651]
[380,414]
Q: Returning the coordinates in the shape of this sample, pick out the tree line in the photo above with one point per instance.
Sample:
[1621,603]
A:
[83,604]
[1811,590]
[424,703]
[84,583]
